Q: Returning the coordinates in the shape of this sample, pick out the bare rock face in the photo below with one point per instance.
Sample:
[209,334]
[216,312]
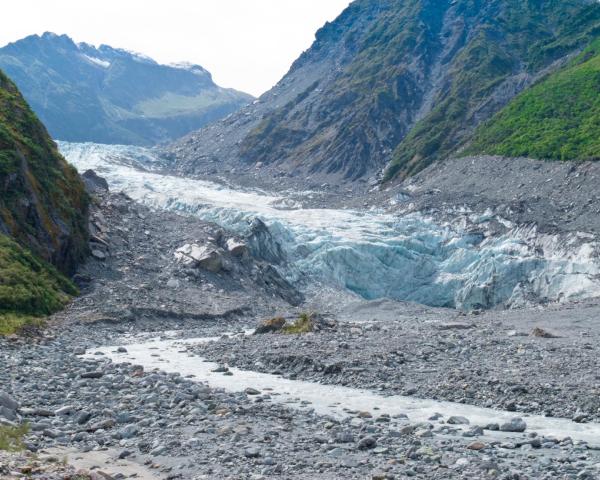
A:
[200,256]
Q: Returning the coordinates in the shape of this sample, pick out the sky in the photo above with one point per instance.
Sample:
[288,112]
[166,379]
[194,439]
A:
[245,44]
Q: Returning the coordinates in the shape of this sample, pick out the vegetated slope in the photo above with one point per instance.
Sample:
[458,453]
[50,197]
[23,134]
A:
[405,82]
[558,118]
[108,95]
[43,212]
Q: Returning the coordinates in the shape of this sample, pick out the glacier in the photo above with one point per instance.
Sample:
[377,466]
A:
[374,254]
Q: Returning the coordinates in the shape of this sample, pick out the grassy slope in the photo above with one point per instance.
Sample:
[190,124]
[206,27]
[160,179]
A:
[43,209]
[559,118]
[532,32]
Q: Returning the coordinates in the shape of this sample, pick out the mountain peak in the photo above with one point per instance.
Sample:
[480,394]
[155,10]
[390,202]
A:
[113,95]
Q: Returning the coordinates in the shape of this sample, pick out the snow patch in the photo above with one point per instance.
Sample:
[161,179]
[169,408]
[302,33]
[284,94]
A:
[97,61]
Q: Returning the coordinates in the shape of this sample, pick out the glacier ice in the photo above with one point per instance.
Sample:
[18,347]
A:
[373,254]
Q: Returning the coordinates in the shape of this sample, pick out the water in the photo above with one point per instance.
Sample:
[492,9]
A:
[328,399]
[372,254]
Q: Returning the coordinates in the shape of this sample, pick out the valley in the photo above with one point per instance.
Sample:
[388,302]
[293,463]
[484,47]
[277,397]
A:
[386,266]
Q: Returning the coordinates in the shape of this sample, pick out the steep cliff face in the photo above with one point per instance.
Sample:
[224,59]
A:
[395,85]
[43,205]
[109,95]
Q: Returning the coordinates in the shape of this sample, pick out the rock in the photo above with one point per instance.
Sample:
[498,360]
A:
[251,391]
[82,417]
[98,254]
[200,256]
[252,453]
[515,333]
[367,443]
[455,326]
[8,402]
[96,374]
[270,325]
[101,425]
[541,333]
[121,350]
[93,182]
[236,248]
[344,437]
[220,369]
[79,351]
[515,425]
[128,431]
[64,411]
[173,283]
[457,420]
[124,454]
[492,426]
[476,446]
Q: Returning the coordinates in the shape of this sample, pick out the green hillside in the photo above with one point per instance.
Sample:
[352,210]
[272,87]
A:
[558,118]
[526,35]
[43,214]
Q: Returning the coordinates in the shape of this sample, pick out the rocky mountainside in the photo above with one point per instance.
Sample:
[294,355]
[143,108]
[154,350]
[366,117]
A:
[43,212]
[394,85]
[108,95]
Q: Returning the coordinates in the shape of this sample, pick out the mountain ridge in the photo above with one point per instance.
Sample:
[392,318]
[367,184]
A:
[390,87]
[111,95]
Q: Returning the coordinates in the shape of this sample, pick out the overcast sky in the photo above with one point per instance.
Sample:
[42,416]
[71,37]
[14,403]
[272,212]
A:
[245,44]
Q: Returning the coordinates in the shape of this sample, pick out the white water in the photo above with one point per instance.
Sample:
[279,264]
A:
[327,399]
[370,253]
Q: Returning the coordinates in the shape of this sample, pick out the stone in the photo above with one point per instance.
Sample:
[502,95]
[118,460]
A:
[541,333]
[367,443]
[121,350]
[515,425]
[64,411]
[101,425]
[457,420]
[128,431]
[79,351]
[98,254]
[476,446]
[200,256]
[344,437]
[173,283]
[236,248]
[82,417]
[252,453]
[270,325]
[8,402]
[251,391]
[96,374]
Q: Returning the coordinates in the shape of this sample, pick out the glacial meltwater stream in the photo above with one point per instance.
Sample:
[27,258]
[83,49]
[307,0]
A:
[373,254]
[171,356]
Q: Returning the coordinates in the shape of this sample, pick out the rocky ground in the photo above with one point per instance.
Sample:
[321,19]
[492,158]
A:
[538,361]
[118,420]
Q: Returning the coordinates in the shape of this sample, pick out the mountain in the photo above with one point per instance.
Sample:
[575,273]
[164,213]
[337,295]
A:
[108,95]
[558,118]
[394,85]
[43,213]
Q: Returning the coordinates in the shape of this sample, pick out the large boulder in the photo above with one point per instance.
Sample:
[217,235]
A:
[200,256]
[236,248]
[8,407]
[270,325]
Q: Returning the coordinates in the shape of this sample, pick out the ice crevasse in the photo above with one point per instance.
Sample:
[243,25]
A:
[373,254]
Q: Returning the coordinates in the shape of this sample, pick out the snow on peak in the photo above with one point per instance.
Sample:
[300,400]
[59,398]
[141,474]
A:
[190,67]
[97,61]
